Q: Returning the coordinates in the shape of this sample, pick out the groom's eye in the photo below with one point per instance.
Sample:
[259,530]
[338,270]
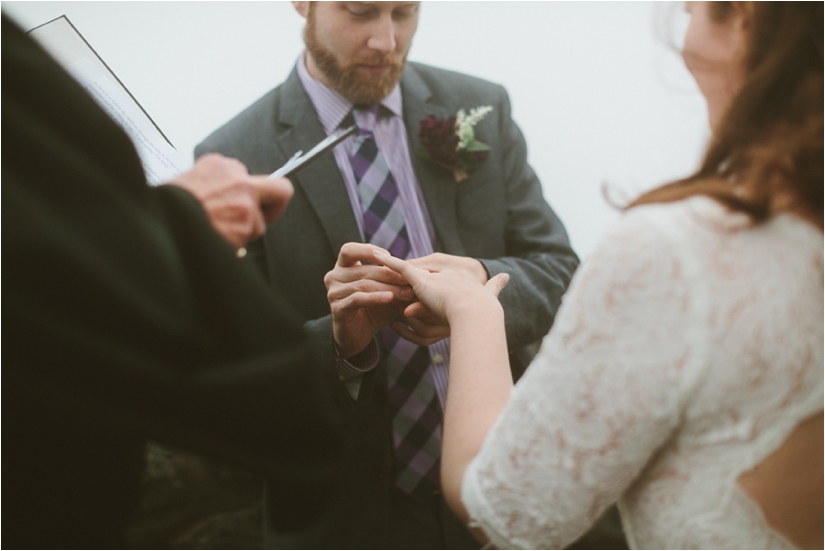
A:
[359,10]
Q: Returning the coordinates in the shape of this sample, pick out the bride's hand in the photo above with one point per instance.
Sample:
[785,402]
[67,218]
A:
[447,293]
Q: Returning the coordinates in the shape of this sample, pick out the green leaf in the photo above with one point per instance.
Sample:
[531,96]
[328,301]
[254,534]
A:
[477,146]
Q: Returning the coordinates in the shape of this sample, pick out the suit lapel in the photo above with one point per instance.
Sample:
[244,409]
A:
[437,184]
[321,181]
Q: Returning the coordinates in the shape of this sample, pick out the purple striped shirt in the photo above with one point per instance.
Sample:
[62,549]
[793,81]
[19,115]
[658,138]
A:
[391,137]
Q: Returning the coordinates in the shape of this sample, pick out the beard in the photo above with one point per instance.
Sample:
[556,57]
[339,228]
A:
[357,87]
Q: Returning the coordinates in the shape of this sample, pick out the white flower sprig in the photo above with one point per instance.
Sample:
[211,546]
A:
[451,143]
[464,124]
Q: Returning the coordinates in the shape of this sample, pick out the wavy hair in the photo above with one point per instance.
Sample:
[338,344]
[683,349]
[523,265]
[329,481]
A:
[766,152]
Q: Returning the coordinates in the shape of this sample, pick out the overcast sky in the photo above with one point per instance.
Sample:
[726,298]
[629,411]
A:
[599,96]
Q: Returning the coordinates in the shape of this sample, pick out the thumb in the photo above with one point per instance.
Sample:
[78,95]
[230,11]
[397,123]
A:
[498,282]
[415,309]
[273,195]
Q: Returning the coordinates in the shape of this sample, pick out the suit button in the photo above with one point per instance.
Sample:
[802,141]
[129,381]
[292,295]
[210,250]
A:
[438,359]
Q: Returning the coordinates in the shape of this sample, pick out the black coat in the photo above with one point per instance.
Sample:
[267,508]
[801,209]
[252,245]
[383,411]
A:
[125,317]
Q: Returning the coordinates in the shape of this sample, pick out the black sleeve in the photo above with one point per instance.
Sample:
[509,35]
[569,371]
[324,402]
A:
[124,307]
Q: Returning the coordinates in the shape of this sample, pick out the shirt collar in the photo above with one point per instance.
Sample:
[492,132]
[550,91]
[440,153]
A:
[331,106]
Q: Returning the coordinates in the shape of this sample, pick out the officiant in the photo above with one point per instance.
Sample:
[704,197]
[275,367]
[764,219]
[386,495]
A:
[127,316]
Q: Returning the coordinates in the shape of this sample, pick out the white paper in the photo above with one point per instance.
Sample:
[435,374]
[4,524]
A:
[161,162]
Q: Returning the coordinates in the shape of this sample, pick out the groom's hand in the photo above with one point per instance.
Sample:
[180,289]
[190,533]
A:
[363,297]
[421,326]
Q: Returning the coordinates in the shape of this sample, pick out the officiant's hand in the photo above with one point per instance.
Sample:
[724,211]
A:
[238,205]
[363,297]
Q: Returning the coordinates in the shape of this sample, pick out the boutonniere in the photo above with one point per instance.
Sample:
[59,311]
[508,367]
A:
[451,143]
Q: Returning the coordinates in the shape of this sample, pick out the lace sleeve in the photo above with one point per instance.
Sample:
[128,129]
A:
[605,391]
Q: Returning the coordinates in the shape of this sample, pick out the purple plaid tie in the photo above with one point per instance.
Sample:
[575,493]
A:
[414,402]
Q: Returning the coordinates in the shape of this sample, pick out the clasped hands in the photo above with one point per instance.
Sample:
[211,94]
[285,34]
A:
[367,288]
[365,296]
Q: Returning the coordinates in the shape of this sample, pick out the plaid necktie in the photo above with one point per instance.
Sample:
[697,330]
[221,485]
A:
[415,407]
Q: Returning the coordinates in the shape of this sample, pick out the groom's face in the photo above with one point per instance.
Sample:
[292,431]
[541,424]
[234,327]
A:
[359,49]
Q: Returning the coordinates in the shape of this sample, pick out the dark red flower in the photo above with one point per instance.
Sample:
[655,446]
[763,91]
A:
[439,140]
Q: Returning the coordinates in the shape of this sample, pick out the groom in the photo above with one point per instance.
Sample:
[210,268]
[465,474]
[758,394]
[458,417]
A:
[388,187]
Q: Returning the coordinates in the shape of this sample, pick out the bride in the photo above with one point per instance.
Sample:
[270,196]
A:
[684,375]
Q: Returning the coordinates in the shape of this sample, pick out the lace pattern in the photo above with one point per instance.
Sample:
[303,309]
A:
[686,350]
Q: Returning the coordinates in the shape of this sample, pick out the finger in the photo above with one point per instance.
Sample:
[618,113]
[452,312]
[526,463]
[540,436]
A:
[356,301]
[258,227]
[353,253]
[409,335]
[412,274]
[366,271]
[273,195]
[420,311]
[428,330]
[215,163]
[497,283]
[340,290]
[431,262]
[416,309]
[242,230]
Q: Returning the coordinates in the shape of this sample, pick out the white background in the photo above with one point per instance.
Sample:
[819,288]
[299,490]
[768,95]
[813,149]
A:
[600,97]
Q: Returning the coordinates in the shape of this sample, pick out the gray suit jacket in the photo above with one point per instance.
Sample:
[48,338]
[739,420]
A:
[498,215]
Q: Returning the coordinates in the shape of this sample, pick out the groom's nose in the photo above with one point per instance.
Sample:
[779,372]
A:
[382,36]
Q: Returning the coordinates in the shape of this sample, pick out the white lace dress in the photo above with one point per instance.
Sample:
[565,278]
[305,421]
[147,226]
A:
[687,349]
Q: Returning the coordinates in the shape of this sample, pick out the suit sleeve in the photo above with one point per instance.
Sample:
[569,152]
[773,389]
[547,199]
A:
[538,255]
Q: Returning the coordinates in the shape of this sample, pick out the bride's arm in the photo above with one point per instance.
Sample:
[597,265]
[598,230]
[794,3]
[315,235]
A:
[604,394]
[479,386]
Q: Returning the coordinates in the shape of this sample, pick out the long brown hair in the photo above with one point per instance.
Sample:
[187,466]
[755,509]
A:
[768,144]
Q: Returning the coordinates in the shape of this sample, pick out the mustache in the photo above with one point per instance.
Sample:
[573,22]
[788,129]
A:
[380,59]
